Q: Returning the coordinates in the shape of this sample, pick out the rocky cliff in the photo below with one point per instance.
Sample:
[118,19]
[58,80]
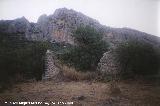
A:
[59,26]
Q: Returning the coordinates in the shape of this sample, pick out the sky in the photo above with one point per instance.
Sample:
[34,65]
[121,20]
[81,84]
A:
[142,15]
[159,18]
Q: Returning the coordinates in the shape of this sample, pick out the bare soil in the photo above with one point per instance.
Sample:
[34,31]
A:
[83,93]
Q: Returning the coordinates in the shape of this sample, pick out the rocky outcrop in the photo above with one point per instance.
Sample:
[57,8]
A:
[115,36]
[23,27]
[59,27]
[19,25]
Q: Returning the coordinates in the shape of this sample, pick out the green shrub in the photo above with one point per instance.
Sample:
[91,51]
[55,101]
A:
[137,58]
[90,48]
[20,57]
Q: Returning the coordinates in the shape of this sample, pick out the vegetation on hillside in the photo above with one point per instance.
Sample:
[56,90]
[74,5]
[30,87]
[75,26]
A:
[138,58]
[88,51]
[20,59]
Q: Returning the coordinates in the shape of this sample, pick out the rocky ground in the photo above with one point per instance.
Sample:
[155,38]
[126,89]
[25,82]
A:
[83,93]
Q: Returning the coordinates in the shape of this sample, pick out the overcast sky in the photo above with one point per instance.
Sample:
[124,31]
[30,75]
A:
[137,14]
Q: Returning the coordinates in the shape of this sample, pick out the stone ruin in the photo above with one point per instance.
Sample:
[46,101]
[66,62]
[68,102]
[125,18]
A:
[109,64]
[51,69]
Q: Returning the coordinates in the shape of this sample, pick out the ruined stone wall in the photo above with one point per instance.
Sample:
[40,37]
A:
[109,64]
[51,70]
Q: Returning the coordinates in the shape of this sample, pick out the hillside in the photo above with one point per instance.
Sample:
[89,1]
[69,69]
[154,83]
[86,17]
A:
[70,57]
[60,25]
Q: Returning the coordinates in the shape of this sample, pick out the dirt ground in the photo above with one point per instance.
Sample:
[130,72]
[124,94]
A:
[82,93]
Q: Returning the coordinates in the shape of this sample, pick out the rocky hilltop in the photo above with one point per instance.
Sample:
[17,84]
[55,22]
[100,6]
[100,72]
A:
[59,26]
[56,27]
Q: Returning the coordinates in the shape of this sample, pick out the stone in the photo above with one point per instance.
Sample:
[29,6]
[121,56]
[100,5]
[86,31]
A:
[114,89]
[51,69]
[109,64]
[81,97]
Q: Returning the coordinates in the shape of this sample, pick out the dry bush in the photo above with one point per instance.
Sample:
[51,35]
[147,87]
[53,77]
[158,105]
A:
[72,74]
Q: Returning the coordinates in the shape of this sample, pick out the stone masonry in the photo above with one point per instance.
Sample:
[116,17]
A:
[109,64]
[51,70]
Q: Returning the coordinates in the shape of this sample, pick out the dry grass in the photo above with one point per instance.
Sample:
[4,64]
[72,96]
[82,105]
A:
[95,93]
[74,75]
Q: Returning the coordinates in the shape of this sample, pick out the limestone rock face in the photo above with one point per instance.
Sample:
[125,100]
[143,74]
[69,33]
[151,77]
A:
[19,25]
[59,27]
[115,36]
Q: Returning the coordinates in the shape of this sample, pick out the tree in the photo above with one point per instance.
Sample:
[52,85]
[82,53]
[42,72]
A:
[90,49]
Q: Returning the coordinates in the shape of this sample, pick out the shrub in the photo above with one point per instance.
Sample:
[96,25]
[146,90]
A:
[90,49]
[138,58]
[20,57]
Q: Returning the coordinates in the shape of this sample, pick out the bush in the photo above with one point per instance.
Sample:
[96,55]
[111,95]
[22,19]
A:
[90,48]
[137,58]
[20,57]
